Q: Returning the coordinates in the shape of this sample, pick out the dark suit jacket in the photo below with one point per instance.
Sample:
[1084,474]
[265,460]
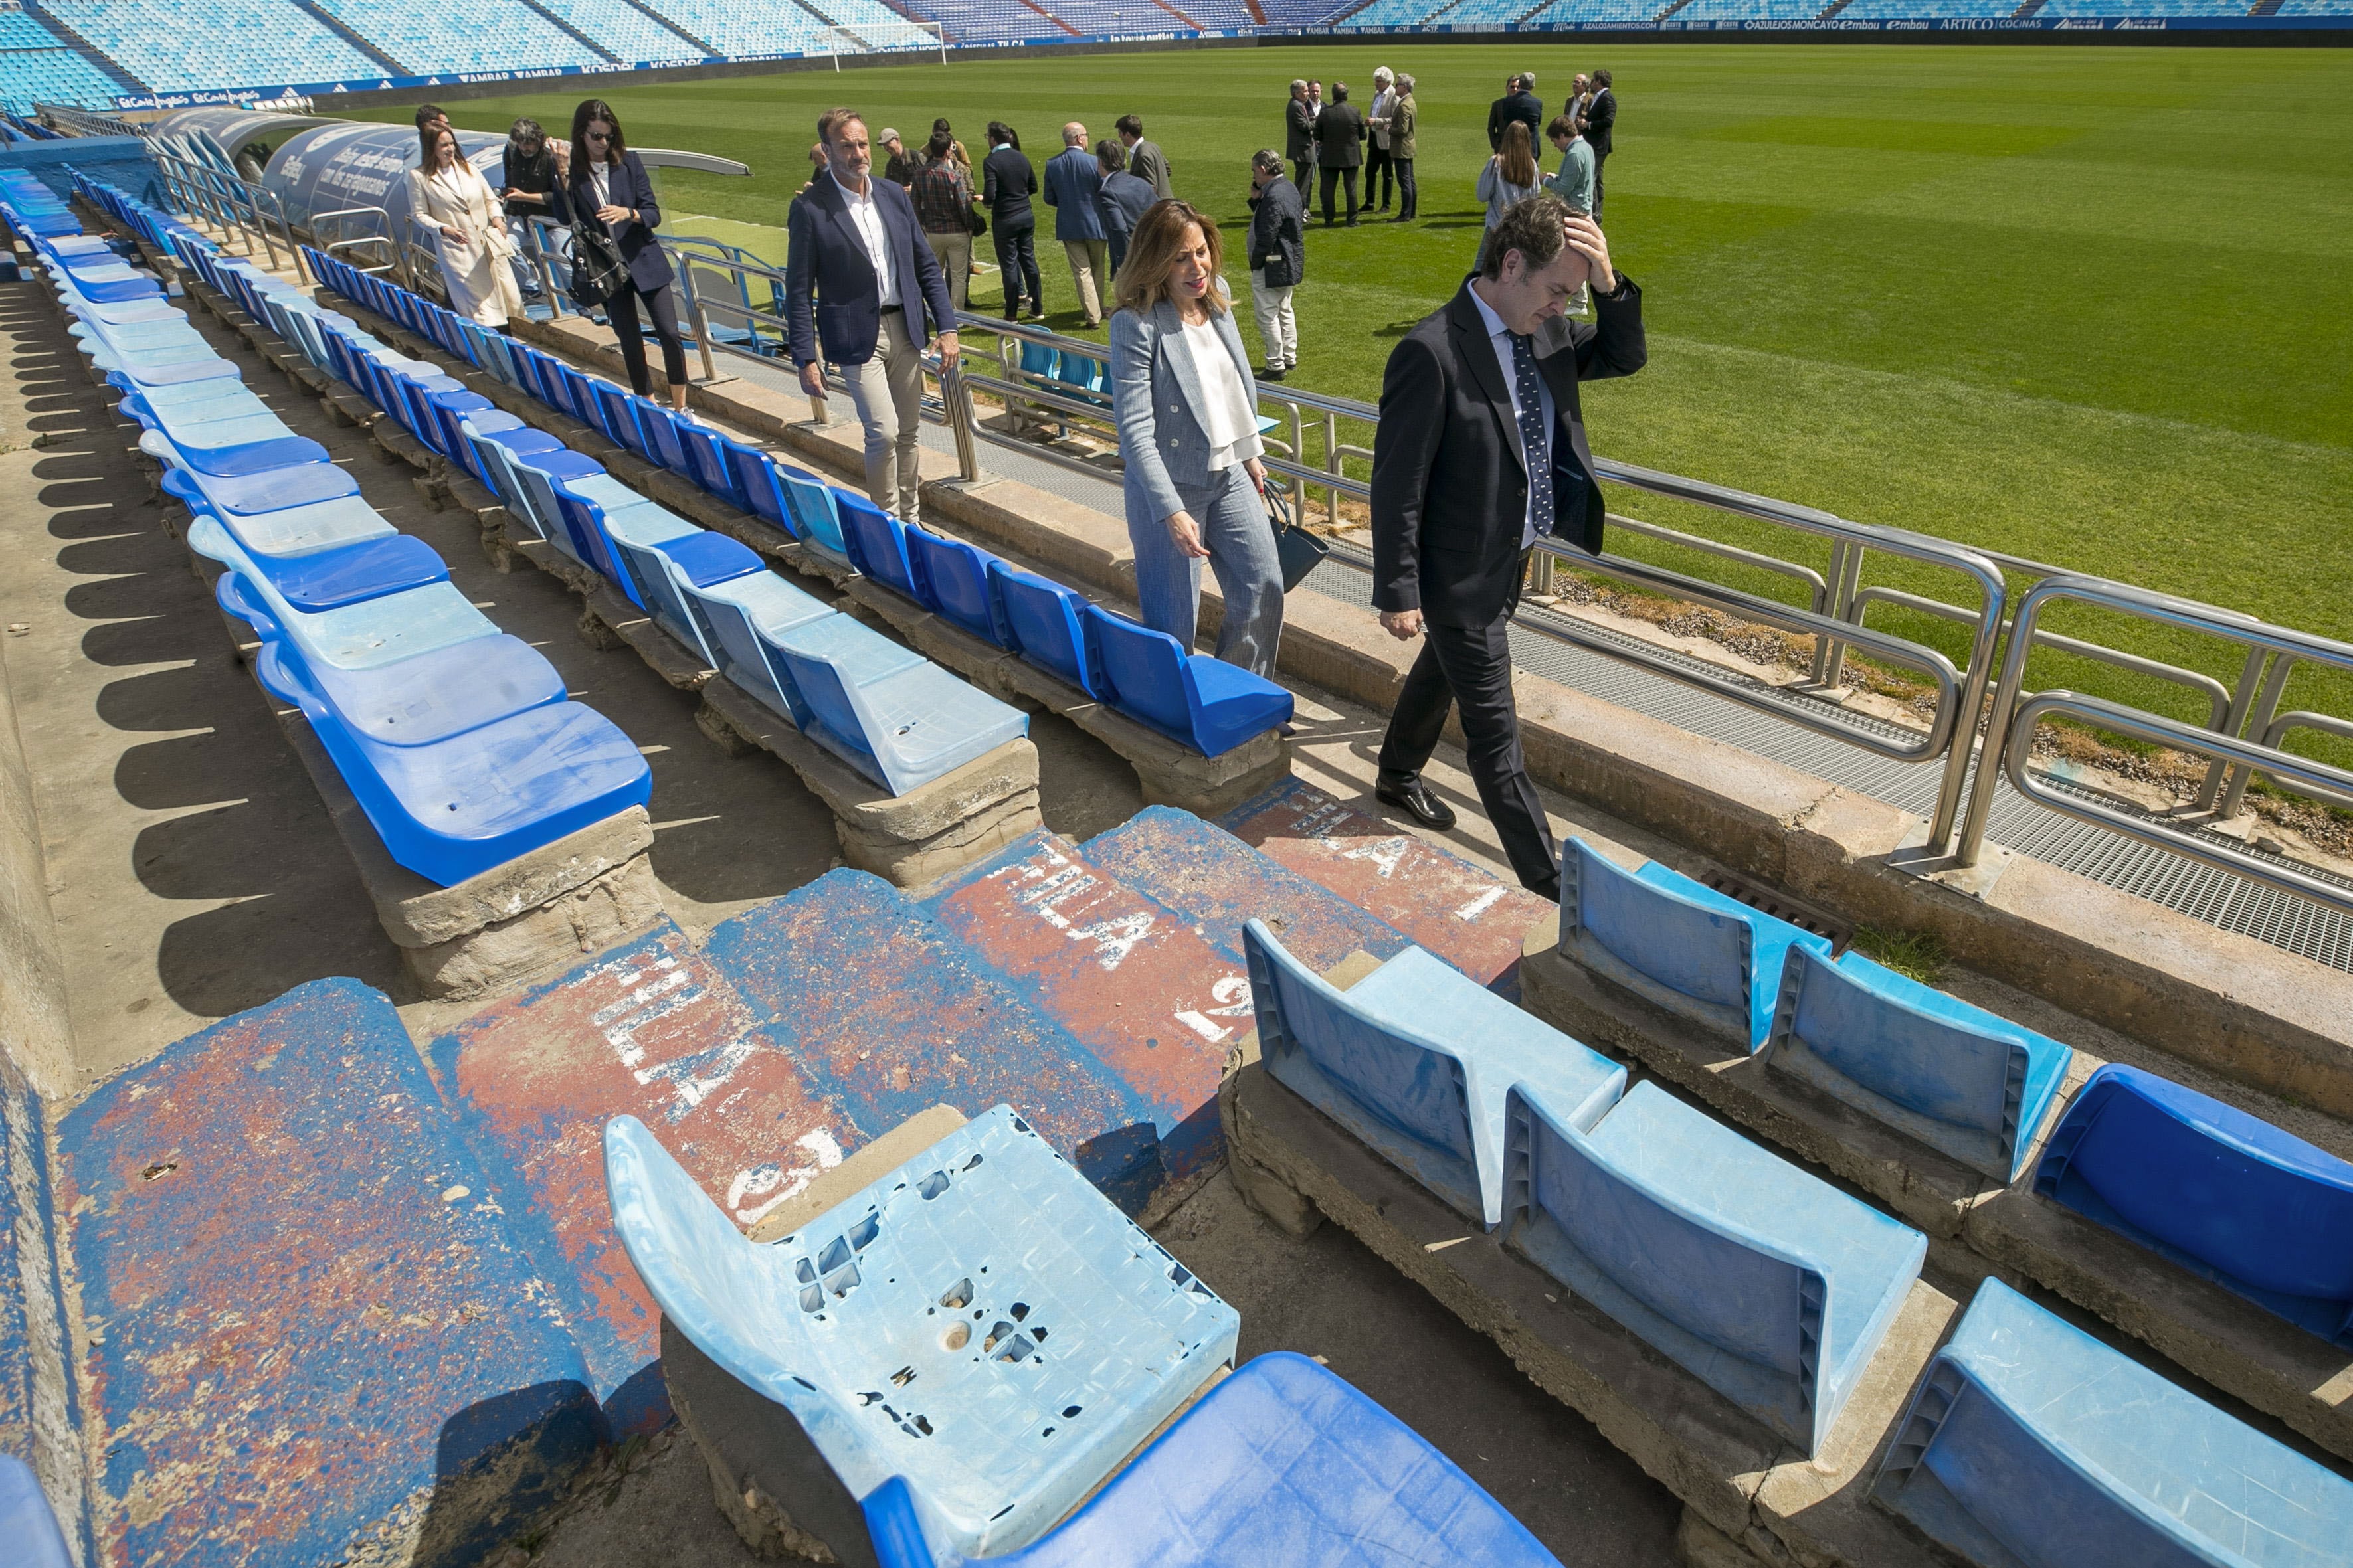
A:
[1278,234]
[1073,178]
[1122,204]
[649,268]
[1340,132]
[1525,106]
[1007,181]
[1600,115]
[1449,486]
[1147,162]
[830,276]
[1299,131]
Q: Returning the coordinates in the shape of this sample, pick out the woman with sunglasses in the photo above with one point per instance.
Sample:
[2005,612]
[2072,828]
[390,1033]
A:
[611,193]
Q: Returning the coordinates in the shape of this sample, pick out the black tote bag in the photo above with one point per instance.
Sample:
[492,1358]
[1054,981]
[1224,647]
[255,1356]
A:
[1300,551]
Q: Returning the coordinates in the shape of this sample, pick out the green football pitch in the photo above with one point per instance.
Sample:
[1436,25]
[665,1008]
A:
[2089,306]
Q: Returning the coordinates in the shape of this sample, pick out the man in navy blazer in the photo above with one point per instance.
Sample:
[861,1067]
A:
[864,293]
[1073,179]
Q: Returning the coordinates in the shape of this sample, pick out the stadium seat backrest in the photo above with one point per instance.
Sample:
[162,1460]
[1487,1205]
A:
[700,560]
[815,517]
[661,428]
[2225,1194]
[2030,1442]
[1040,360]
[617,416]
[961,588]
[1955,1077]
[826,658]
[1676,942]
[1145,669]
[706,455]
[762,487]
[877,547]
[1050,626]
[740,616]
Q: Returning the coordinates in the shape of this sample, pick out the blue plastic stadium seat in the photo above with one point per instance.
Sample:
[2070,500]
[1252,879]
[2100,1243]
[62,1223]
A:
[1050,626]
[518,439]
[1954,1077]
[442,693]
[2031,1445]
[27,1521]
[1676,943]
[587,503]
[707,459]
[877,547]
[956,574]
[274,490]
[1771,1286]
[812,502]
[761,486]
[537,475]
[740,619]
[617,416]
[1416,1059]
[666,570]
[454,808]
[254,445]
[2226,1196]
[660,426]
[890,714]
[1282,1463]
[1194,699]
[291,530]
[350,574]
[367,634]
[996,1429]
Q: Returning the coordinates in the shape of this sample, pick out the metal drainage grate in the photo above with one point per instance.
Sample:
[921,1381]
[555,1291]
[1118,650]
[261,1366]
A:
[1782,907]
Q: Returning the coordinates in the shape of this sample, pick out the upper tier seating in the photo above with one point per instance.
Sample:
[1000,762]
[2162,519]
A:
[623,31]
[751,26]
[1750,10]
[1566,11]
[1416,1059]
[2142,8]
[1955,1077]
[1905,10]
[462,35]
[2228,1196]
[1280,1463]
[1298,13]
[2031,1443]
[1026,1369]
[990,21]
[38,67]
[193,45]
[1767,1284]
[881,27]
[1668,940]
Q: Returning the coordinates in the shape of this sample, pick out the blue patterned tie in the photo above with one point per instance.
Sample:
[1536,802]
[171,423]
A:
[1534,438]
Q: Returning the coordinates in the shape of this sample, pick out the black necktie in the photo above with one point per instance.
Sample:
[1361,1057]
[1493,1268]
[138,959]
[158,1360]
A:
[1533,435]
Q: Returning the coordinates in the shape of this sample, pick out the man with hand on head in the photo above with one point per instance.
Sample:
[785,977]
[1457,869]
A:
[1073,178]
[864,293]
[1481,453]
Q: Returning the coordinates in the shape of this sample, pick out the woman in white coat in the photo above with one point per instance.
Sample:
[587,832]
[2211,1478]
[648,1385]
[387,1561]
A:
[449,196]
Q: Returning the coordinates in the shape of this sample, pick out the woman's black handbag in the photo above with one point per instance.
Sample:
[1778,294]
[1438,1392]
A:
[974,221]
[1300,551]
[598,272]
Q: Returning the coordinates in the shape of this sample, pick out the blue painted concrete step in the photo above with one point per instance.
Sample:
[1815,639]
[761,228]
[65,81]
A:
[307,1319]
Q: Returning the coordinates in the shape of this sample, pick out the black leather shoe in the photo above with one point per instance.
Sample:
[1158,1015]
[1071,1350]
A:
[1416,801]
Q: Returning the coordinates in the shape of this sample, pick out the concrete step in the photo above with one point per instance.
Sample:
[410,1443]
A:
[1438,900]
[312,1334]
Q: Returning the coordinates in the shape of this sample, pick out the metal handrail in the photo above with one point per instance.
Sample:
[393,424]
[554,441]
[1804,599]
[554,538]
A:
[86,122]
[398,265]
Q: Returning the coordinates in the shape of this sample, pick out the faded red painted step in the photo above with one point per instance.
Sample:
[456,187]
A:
[1442,902]
[1135,981]
[661,1033]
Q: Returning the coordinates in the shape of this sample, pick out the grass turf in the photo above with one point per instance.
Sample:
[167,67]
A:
[2042,301]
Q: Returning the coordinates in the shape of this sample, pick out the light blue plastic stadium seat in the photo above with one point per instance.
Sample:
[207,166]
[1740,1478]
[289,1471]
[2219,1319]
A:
[1955,1077]
[198,403]
[812,502]
[1282,1463]
[1050,627]
[515,438]
[2031,1445]
[454,808]
[739,618]
[363,636]
[946,1269]
[877,547]
[667,570]
[442,693]
[1192,698]
[1771,1286]
[538,474]
[1676,943]
[255,445]
[957,574]
[2226,1196]
[451,412]
[27,1521]
[587,503]
[894,716]
[290,530]
[1416,1060]
[274,490]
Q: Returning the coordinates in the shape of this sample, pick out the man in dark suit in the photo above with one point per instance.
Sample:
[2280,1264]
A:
[1299,136]
[1146,161]
[864,293]
[1517,104]
[1340,132]
[1600,118]
[1482,452]
[1121,201]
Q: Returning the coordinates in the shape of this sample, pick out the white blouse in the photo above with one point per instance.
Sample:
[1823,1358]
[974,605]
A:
[1229,422]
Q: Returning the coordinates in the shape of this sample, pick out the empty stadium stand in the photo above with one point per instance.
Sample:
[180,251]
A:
[753,26]
[200,44]
[623,31]
[463,36]
[38,67]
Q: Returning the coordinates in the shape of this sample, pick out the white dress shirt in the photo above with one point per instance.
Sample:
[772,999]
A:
[1383,106]
[1229,422]
[1539,464]
[868,219]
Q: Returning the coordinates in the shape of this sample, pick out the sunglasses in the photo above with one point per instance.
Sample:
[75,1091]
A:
[597,136]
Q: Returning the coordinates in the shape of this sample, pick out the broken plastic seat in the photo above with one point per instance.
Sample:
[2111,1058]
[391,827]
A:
[1769,1285]
[2226,1196]
[887,711]
[1416,1060]
[981,1322]
[1050,626]
[2031,1445]
[812,502]
[1282,1464]
[1955,1077]
[1676,943]
[666,569]
[740,619]
[958,578]
[1196,700]
[453,809]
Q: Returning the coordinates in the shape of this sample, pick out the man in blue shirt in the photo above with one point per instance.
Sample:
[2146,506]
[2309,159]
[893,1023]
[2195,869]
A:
[1073,180]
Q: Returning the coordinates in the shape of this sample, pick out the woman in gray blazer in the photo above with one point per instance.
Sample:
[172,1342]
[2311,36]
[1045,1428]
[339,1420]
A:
[1188,435]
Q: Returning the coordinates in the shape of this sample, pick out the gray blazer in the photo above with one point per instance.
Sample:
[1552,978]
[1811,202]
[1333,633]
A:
[1156,393]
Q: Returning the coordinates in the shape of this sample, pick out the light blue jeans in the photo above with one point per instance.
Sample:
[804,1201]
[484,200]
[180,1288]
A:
[1241,540]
